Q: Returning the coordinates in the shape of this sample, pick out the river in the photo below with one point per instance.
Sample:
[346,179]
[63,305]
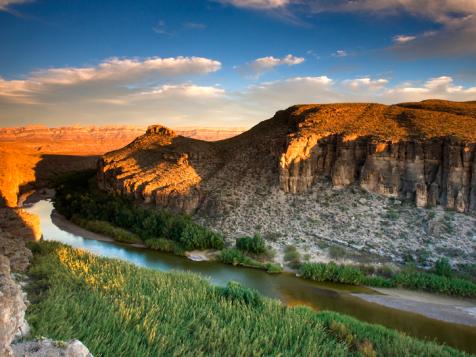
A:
[285,287]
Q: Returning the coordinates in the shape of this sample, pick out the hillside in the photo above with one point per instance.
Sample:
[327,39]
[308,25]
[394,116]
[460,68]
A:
[320,175]
[33,155]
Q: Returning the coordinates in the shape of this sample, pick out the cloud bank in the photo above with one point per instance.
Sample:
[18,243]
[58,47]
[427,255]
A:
[160,90]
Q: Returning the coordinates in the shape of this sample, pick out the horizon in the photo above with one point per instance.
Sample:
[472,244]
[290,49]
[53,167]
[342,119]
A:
[226,63]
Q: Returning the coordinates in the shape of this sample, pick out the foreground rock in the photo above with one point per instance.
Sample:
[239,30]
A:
[16,228]
[12,308]
[51,348]
[424,153]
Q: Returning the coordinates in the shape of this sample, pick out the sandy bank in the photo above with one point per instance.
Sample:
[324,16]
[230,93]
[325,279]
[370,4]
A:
[443,308]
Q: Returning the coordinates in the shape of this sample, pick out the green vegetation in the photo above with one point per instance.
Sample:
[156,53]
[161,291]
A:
[106,228]
[118,309]
[407,278]
[77,198]
[253,244]
[443,268]
[164,245]
[236,257]
[292,256]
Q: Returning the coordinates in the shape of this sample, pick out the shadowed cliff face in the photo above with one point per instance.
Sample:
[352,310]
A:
[425,152]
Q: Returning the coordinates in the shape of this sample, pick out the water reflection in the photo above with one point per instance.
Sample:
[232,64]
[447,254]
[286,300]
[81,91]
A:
[287,288]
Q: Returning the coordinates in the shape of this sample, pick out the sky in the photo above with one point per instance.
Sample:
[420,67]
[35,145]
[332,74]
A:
[225,63]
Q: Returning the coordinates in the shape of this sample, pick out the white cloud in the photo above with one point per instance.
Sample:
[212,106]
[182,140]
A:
[153,91]
[340,53]
[440,88]
[114,75]
[401,39]
[366,83]
[6,4]
[257,4]
[264,64]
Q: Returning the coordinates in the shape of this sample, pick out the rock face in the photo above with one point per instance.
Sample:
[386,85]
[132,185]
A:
[51,348]
[424,152]
[12,307]
[439,171]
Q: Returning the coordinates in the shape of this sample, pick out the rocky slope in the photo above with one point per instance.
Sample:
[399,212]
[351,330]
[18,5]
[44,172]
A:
[31,156]
[423,153]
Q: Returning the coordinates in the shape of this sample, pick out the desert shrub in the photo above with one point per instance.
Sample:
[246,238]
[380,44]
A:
[292,256]
[253,244]
[336,252]
[443,267]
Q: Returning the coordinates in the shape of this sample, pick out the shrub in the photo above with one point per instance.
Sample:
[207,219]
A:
[253,244]
[232,256]
[292,256]
[236,292]
[332,272]
[273,268]
[443,267]
[161,244]
[336,252]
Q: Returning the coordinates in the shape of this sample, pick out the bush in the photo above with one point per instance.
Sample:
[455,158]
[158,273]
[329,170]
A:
[253,244]
[443,267]
[292,256]
[236,292]
[232,256]
[161,244]
[336,252]
[273,268]
[332,272]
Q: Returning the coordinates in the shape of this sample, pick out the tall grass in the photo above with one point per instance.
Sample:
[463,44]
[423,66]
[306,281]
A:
[407,278]
[118,309]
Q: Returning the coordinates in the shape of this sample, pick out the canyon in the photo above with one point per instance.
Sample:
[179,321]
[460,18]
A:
[351,174]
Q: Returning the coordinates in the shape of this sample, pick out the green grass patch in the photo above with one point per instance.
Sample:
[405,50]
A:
[407,278]
[106,228]
[118,309]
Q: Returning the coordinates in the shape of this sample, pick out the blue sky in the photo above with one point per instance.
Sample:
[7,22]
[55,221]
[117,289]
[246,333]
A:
[226,62]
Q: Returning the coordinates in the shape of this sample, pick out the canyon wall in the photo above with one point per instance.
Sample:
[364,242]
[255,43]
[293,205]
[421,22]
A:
[440,171]
[410,151]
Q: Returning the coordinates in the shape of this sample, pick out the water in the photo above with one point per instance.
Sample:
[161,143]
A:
[285,287]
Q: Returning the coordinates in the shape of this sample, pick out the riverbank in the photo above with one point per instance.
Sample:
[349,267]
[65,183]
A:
[119,308]
[443,308]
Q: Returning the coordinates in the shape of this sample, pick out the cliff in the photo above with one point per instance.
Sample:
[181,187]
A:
[424,152]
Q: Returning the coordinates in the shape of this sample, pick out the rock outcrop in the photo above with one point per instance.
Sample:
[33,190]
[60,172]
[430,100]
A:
[12,307]
[50,348]
[423,152]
